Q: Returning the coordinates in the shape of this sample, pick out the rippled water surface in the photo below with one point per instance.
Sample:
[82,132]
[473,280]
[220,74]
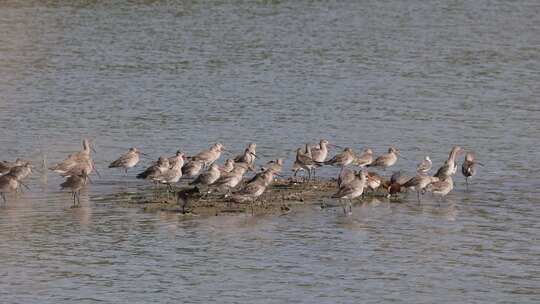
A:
[162,75]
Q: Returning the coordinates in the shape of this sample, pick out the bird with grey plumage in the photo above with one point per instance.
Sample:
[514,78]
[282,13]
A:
[468,168]
[8,184]
[209,156]
[128,160]
[424,166]
[249,156]
[351,190]
[174,158]
[449,167]
[319,153]
[364,159]
[208,177]
[345,176]
[255,187]
[304,161]
[78,159]
[373,181]
[6,166]
[441,187]
[185,195]
[419,184]
[276,165]
[265,176]
[192,168]
[231,180]
[173,173]
[251,192]
[227,166]
[155,170]
[342,159]
[84,166]
[75,183]
[22,171]
[297,166]
[386,160]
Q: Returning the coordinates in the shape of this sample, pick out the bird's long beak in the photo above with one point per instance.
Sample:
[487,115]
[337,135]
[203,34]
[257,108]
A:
[93,149]
[27,188]
[145,155]
[254,155]
[336,146]
[97,172]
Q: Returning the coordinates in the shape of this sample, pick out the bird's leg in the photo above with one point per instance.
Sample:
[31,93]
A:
[3,197]
[95,169]
[24,185]
[467,182]
[418,196]
[184,206]
[73,196]
[252,203]
[350,206]
[156,190]
[79,198]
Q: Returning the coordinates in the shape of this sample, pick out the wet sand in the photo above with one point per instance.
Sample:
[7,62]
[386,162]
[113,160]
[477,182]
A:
[282,197]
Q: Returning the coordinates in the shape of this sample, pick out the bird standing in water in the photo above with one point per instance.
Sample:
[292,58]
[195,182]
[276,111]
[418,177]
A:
[75,183]
[8,183]
[424,166]
[441,187]
[468,168]
[351,190]
[449,167]
[76,162]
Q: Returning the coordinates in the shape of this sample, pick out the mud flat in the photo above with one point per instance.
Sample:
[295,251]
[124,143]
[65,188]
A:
[282,197]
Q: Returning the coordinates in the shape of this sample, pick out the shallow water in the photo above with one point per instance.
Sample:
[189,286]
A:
[163,76]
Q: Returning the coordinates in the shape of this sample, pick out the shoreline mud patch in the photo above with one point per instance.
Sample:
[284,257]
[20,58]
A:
[279,198]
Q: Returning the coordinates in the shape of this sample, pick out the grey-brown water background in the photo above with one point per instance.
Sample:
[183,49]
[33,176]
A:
[163,75]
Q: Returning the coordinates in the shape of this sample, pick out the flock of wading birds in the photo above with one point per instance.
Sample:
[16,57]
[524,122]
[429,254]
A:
[205,172]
